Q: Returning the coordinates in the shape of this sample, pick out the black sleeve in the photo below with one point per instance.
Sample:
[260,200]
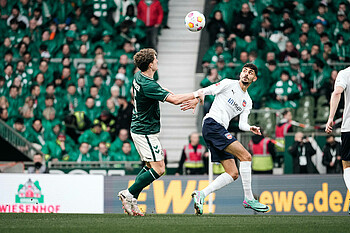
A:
[311,149]
[293,149]
[326,158]
[272,150]
[181,162]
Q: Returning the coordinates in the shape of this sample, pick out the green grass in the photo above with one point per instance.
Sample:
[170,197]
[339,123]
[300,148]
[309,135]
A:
[52,223]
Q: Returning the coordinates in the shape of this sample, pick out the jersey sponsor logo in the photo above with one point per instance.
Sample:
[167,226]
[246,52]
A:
[244,103]
[234,104]
[217,84]
[228,136]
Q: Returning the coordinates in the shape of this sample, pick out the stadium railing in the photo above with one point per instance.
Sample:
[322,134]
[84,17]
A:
[17,140]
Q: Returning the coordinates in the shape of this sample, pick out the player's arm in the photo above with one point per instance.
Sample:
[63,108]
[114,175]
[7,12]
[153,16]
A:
[335,98]
[243,123]
[213,89]
[180,98]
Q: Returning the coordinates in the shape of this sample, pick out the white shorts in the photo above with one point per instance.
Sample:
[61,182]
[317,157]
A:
[149,147]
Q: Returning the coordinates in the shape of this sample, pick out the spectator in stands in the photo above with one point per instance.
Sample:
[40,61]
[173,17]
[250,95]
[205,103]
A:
[194,157]
[124,114]
[112,108]
[95,135]
[345,31]
[39,165]
[81,88]
[336,28]
[302,151]
[27,110]
[102,154]
[4,116]
[303,42]
[72,98]
[284,93]
[331,155]
[127,154]
[108,123]
[83,154]
[91,111]
[19,126]
[76,124]
[290,52]
[22,20]
[340,49]
[62,11]
[242,21]
[212,56]
[117,144]
[58,150]
[151,13]
[15,101]
[35,134]
[298,75]
[318,78]
[3,102]
[215,26]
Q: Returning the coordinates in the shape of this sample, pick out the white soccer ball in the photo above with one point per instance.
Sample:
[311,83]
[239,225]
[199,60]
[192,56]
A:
[194,21]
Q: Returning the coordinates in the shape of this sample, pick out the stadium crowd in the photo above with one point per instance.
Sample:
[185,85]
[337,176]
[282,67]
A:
[67,70]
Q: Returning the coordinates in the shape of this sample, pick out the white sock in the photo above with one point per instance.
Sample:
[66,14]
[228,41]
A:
[220,181]
[245,169]
[347,177]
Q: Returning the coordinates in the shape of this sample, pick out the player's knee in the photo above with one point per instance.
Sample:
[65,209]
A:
[234,175]
[247,157]
[161,171]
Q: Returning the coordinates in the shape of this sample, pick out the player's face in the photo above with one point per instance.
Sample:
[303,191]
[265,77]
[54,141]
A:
[154,64]
[247,75]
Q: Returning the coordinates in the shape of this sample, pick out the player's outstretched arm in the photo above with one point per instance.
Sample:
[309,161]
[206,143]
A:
[180,98]
[335,98]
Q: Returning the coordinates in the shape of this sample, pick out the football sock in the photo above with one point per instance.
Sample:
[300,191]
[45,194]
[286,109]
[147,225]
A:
[220,181]
[347,177]
[143,181]
[143,170]
[245,169]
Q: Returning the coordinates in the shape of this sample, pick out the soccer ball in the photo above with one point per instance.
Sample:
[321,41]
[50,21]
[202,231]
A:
[194,21]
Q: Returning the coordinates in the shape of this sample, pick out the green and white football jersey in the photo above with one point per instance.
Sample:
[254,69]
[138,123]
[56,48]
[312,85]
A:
[146,114]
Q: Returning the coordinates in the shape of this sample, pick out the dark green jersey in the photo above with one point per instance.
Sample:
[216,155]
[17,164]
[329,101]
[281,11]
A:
[146,114]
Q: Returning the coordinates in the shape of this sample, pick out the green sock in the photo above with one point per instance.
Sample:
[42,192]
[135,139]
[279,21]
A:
[143,181]
[143,170]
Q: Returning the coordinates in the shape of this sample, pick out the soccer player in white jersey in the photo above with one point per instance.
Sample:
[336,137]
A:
[231,99]
[342,84]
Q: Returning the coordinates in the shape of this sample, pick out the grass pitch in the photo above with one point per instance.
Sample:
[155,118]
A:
[101,223]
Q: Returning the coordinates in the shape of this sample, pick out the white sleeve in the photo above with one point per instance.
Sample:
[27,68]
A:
[341,80]
[216,88]
[243,121]
[243,118]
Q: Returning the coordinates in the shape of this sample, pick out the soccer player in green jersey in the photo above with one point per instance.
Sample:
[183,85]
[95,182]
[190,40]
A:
[145,125]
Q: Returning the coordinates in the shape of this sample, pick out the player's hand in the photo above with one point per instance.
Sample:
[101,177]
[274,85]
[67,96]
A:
[329,126]
[189,104]
[201,96]
[255,130]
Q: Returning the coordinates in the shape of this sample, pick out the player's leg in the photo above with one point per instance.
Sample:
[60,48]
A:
[345,155]
[237,149]
[245,169]
[231,174]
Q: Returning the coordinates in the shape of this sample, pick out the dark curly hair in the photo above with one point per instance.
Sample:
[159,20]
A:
[253,67]
[143,58]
